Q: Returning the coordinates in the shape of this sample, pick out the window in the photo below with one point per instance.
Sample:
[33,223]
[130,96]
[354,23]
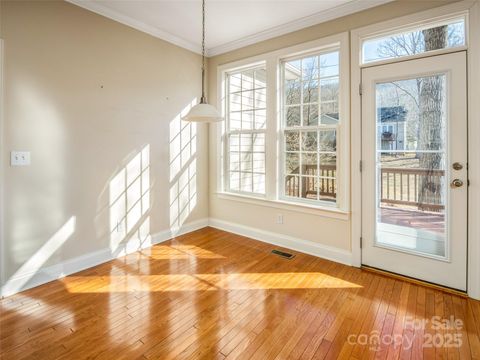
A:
[246,130]
[439,36]
[300,153]
[310,112]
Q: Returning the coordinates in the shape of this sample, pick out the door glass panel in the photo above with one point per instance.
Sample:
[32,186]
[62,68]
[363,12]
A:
[411,165]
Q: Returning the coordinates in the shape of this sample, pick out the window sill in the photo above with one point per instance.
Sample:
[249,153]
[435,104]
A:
[324,211]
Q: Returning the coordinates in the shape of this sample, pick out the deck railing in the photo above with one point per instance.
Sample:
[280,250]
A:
[421,188]
[418,188]
[309,182]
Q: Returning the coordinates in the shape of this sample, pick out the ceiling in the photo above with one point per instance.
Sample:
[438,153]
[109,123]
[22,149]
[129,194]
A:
[230,24]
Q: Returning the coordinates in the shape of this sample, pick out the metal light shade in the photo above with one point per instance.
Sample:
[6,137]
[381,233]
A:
[203,112]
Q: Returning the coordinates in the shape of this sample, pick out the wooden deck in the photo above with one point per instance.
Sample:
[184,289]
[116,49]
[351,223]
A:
[214,295]
[417,219]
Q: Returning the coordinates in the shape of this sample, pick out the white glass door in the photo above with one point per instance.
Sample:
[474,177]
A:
[414,180]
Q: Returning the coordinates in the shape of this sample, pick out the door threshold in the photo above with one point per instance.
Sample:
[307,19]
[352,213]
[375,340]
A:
[414,281]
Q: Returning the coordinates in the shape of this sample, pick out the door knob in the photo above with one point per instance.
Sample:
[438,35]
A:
[457,183]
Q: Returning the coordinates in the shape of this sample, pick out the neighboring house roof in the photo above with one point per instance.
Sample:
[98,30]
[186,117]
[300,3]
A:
[391,114]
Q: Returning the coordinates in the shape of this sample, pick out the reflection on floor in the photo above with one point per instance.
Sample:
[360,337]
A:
[214,295]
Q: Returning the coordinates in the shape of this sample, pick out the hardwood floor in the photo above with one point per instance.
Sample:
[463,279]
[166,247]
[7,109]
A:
[215,295]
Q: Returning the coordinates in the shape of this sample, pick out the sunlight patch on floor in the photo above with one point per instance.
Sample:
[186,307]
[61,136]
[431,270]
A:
[199,282]
[178,252]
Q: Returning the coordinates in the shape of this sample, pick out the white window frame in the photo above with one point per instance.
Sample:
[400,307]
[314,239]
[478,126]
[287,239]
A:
[282,128]
[471,11]
[274,181]
[226,111]
[399,27]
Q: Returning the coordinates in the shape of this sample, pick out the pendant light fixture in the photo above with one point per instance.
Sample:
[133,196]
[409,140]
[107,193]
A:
[203,112]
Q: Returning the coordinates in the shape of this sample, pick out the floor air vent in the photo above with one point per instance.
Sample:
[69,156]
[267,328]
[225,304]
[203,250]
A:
[283,254]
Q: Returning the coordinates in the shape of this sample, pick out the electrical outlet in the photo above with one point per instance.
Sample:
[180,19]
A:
[20,158]
[279,218]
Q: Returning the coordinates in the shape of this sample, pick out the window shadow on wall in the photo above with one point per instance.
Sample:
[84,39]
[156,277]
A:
[183,169]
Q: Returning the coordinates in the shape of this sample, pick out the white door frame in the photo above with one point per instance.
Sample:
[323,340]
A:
[470,9]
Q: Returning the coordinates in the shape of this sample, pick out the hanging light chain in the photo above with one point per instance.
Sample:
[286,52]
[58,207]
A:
[203,100]
[203,112]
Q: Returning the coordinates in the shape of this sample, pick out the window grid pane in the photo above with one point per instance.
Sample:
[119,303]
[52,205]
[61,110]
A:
[246,125]
[311,118]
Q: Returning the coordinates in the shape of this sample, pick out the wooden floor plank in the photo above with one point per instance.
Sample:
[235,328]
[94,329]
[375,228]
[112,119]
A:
[215,295]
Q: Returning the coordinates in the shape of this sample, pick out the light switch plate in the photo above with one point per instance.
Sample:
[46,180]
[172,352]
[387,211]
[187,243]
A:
[20,158]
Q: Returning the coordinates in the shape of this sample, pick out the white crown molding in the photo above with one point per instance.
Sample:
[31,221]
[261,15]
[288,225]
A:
[316,18]
[136,24]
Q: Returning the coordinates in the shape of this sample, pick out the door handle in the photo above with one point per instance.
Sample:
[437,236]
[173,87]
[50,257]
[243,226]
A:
[457,166]
[456,183]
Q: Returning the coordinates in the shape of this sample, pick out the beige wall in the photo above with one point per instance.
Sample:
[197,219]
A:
[316,228]
[85,95]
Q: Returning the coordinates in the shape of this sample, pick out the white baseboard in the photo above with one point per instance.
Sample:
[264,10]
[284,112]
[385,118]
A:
[289,242]
[28,280]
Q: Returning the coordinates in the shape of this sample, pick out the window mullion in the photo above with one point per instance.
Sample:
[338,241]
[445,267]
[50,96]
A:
[301,94]
[226,160]
[251,149]
[247,131]
[300,162]
[311,128]
[318,165]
